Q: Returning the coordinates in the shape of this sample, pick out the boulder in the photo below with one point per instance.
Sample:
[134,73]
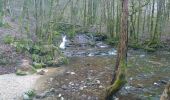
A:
[25,68]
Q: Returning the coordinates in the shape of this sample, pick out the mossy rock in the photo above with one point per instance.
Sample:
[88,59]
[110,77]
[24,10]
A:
[23,72]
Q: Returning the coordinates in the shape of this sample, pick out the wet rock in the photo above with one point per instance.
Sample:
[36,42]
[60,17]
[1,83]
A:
[156,84]
[91,54]
[52,90]
[64,87]
[102,45]
[42,72]
[45,94]
[41,96]
[100,37]
[128,87]
[112,52]
[163,81]
[140,86]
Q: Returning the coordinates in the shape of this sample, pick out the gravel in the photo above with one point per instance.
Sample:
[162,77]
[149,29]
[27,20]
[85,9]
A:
[12,86]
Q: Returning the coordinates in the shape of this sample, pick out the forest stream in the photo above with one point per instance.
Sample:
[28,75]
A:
[90,70]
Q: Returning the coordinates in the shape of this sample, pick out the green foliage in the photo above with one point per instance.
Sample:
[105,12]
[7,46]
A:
[135,45]
[38,65]
[112,41]
[63,60]
[8,39]
[39,52]
[31,94]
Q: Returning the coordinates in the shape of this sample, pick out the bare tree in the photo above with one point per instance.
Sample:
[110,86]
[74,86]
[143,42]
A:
[121,62]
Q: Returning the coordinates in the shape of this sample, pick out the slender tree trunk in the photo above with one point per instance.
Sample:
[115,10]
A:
[119,74]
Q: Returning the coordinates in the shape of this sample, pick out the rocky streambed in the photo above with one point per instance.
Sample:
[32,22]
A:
[90,68]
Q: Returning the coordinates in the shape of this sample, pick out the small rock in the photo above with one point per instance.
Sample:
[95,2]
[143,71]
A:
[98,81]
[52,90]
[81,88]
[156,84]
[131,78]
[51,79]
[72,73]
[62,98]
[59,95]
[90,54]
[64,87]
[88,64]
[89,98]
[82,81]
[26,97]
[57,84]
[42,72]
[140,86]
[84,86]
[71,83]
[127,87]
[100,86]
[40,96]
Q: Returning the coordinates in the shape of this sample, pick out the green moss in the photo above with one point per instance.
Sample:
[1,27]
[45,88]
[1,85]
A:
[119,82]
[21,73]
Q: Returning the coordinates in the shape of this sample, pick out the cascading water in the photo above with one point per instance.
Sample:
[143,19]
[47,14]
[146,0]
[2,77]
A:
[63,43]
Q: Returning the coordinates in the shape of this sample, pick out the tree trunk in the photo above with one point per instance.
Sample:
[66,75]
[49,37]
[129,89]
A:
[121,62]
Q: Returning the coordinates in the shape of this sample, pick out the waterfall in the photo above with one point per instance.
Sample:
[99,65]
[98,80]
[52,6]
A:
[63,43]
